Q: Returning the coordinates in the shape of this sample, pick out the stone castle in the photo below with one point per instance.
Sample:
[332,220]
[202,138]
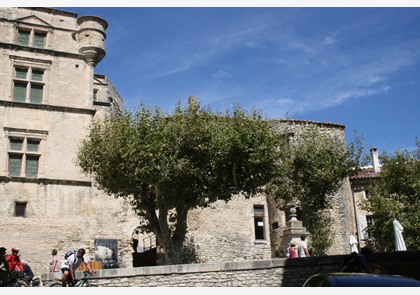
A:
[49,96]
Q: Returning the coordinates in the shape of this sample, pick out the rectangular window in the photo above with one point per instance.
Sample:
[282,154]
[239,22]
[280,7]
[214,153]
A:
[31,167]
[16,144]
[15,164]
[20,92]
[24,157]
[259,222]
[23,37]
[369,221]
[36,93]
[39,39]
[21,73]
[32,145]
[37,75]
[20,209]
[30,37]
[34,84]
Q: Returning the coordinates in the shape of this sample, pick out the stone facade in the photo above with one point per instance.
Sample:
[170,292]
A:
[54,204]
[49,95]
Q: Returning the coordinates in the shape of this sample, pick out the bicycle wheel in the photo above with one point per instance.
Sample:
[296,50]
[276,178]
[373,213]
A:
[55,284]
[22,283]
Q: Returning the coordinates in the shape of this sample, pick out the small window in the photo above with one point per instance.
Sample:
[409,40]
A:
[15,165]
[275,225]
[37,75]
[30,37]
[16,144]
[21,73]
[23,37]
[39,39]
[95,94]
[32,146]
[259,222]
[369,221]
[20,92]
[20,209]
[36,93]
[31,167]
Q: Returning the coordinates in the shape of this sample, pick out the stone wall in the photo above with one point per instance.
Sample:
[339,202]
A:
[276,272]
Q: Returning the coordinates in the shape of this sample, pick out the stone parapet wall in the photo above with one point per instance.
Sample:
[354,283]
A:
[277,272]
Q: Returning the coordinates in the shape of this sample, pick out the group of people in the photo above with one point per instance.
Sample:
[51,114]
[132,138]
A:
[298,250]
[12,266]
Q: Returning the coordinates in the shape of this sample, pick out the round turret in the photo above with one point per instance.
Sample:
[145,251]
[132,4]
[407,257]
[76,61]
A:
[91,38]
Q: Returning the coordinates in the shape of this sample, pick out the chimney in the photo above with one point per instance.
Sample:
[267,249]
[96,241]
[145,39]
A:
[375,160]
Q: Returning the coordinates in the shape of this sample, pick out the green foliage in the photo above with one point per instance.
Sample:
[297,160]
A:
[396,195]
[311,171]
[167,164]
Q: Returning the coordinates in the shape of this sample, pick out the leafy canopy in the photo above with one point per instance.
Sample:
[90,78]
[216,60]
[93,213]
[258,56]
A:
[312,169]
[396,195]
[167,164]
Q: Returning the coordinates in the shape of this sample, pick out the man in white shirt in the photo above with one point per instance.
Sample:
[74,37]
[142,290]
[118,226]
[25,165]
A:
[303,248]
[70,264]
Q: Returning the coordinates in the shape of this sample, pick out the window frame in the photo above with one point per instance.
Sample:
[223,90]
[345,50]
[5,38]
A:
[259,217]
[36,65]
[29,84]
[31,152]
[32,33]
[20,207]
[369,223]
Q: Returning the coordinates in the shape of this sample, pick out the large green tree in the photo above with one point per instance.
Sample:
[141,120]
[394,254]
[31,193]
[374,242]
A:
[311,171]
[167,164]
[396,195]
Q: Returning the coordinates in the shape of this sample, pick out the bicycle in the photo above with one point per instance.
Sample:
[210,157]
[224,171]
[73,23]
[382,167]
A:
[13,279]
[83,282]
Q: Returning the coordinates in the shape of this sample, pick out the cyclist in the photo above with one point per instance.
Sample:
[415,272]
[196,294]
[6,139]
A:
[70,264]
[14,260]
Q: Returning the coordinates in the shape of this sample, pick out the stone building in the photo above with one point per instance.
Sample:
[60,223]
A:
[49,95]
[359,184]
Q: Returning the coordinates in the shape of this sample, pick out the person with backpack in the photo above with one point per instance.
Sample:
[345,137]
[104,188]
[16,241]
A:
[72,260]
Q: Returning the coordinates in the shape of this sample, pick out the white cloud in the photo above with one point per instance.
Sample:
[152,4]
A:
[329,40]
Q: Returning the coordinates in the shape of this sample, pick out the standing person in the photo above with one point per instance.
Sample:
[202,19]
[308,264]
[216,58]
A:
[54,265]
[70,264]
[303,248]
[353,243]
[292,250]
[14,260]
[135,240]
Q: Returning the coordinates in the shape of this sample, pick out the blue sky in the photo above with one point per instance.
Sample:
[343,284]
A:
[357,66]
